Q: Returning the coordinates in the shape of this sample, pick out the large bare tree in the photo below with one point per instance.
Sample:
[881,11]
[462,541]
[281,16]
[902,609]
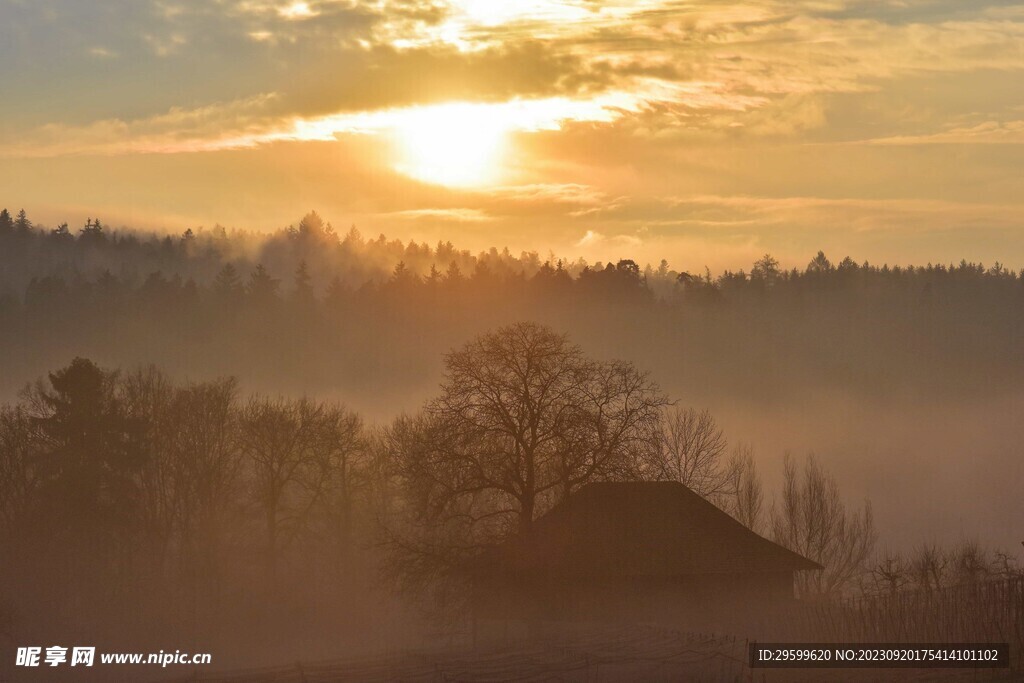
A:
[523,419]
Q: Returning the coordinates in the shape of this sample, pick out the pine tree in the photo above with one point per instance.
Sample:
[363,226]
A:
[262,287]
[92,233]
[454,273]
[434,277]
[22,224]
[336,293]
[303,293]
[227,285]
[6,223]
[311,226]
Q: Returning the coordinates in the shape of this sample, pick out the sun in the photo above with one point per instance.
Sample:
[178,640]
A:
[456,144]
[467,144]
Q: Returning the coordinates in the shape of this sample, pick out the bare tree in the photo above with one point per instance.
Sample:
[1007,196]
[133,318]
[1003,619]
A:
[1006,566]
[522,421]
[969,562]
[19,467]
[278,438]
[339,475]
[525,416]
[813,521]
[747,501]
[931,568]
[889,576]
[146,395]
[693,452]
[207,470]
[928,567]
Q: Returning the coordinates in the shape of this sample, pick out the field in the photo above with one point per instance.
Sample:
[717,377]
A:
[986,612]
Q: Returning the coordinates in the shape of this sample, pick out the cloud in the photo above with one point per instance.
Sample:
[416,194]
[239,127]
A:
[856,214]
[263,119]
[762,66]
[240,123]
[592,238]
[986,133]
[297,11]
[102,52]
[754,124]
[562,193]
[459,214]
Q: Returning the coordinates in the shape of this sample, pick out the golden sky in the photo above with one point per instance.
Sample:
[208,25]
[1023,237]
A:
[702,132]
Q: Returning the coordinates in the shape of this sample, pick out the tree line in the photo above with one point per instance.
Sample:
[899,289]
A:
[314,254]
[375,314]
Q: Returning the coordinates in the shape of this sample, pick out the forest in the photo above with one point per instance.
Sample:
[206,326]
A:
[222,425]
[247,302]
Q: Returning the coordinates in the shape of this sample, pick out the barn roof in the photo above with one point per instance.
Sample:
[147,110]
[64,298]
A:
[641,529]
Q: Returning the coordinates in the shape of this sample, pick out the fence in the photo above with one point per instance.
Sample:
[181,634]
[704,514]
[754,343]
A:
[981,612]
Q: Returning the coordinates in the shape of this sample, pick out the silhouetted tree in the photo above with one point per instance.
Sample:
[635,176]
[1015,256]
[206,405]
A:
[766,270]
[303,292]
[812,520]
[693,451]
[283,444]
[523,420]
[92,450]
[228,285]
[820,265]
[21,466]
[262,288]
[336,294]
[748,498]
[342,476]
[92,234]
[22,225]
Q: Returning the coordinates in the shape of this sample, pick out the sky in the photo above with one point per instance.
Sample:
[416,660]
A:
[702,132]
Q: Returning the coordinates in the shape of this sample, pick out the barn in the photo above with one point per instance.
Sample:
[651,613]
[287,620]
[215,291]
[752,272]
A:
[635,551]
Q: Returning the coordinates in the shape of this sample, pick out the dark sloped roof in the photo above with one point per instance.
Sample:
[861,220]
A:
[642,529]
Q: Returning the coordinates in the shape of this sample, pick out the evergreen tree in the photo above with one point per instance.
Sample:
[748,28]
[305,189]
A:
[227,280]
[820,264]
[454,274]
[336,293]
[262,288]
[303,293]
[311,226]
[227,286]
[92,452]
[22,224]
[766,270]
[92,233]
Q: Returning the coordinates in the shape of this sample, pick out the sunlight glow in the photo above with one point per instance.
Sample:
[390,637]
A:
[453,144]
[297,10]
[498,12]
[473,25]
[462,143]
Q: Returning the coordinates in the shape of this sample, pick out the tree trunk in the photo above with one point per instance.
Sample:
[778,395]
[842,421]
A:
[526,504]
